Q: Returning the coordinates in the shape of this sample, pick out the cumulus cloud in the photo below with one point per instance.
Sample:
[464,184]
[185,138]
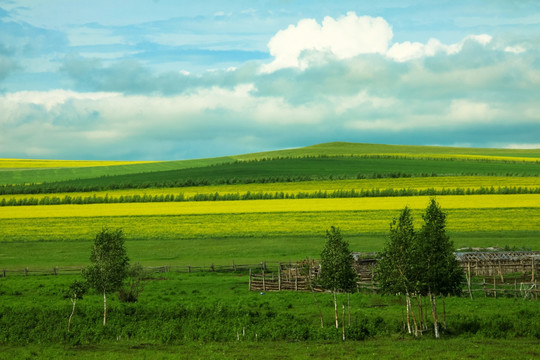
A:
[355,84]
[408,51]
[349,36]
[343,38]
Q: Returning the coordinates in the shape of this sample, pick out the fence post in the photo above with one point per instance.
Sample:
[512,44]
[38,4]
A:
[296,279]
[212,267]
[469,279]
[494,288]
[532,262]
[249,279]
[189,268]
[484,287]
[279,277]
[55,270]
[26,271]
[4,272]
[264,283]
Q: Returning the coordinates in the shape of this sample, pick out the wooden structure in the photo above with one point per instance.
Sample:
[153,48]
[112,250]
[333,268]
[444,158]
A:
[295,277]
[500,263]
[493,265]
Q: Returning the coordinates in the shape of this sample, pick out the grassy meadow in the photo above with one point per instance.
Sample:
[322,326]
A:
[198,212]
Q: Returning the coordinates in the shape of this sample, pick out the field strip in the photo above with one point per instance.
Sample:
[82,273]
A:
[271,206]
[20,164]
[430,156]
[417,183]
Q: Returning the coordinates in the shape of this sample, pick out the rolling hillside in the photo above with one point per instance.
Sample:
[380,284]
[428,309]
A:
[336,160]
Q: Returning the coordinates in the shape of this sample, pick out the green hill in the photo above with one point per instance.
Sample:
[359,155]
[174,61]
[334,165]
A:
[323,161]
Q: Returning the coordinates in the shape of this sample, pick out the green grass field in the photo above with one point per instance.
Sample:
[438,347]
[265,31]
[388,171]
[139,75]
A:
[201,315]
[212,315]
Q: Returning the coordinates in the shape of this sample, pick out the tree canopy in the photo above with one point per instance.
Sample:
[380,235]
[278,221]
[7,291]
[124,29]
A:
[110,264]
[337,272]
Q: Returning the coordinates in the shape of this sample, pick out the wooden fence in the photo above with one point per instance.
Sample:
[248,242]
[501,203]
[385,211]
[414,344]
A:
[264,265]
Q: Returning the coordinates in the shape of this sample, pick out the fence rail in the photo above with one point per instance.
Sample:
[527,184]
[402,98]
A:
[264,265]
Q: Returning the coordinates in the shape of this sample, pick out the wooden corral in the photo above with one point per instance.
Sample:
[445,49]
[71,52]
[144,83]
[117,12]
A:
[296,277]
[500,263]
[302,275]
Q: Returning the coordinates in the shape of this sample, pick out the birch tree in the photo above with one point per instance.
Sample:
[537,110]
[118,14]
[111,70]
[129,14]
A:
[75,292]
[109,264]
[337,272]
[439,273]
[398,263]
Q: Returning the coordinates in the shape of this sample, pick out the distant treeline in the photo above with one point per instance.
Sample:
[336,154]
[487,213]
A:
[95,199]
[455,157]
[74,186]
[103,183]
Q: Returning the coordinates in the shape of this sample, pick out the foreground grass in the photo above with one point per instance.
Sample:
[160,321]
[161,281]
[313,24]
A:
[383,348]
[202,315]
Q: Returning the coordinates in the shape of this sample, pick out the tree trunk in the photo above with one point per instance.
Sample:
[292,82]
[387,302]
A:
[104,307]
[433,302]
[74,301]
[420,312]
[409,304]
[349,307]
[444,313]
[408,313]
[343,322]
[335,310]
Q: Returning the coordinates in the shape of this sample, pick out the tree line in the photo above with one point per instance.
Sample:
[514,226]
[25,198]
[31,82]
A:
[320,194]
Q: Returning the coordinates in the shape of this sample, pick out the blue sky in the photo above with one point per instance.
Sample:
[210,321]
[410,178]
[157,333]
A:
[164,80]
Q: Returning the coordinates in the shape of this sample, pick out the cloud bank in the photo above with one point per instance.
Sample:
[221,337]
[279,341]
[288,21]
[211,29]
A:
[344,78]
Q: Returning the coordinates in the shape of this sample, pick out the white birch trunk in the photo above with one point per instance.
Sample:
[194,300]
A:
[74,301]
[434,314]
[335,310]
[104,307]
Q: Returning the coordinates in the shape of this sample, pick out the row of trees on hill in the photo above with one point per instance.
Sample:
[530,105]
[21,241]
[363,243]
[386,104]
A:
[416,264]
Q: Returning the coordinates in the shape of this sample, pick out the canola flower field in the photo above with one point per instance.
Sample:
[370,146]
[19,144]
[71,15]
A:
[198,232]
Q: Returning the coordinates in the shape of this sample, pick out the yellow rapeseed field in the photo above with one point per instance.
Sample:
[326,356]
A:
[419,183]
[14,164]
[271,206]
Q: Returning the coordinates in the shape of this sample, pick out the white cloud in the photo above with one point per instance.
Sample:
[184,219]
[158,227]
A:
[343,38]
[470,111]
[515,49]
[347,37]
[50,99]
[342,104]
[523,146]
[406,51]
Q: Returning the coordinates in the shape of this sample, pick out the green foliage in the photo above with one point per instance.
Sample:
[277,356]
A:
[337,272]
[110,264]
[133,285]
[396,267]
[170,312]
[439,272]
[76,290]
[109,261]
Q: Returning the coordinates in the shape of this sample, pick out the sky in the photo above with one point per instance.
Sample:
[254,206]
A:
[172,80]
